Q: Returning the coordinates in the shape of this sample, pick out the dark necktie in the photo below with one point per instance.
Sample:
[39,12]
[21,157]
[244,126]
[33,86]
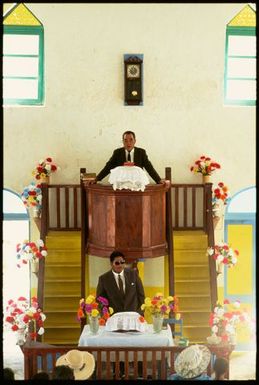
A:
[129,160]
[120,284]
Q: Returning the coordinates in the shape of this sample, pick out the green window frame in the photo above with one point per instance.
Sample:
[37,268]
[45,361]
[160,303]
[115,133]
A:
[240,68]
[24,82]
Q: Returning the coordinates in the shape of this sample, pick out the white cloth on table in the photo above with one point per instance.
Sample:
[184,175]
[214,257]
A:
[131,339]
[128,321]
[128,177]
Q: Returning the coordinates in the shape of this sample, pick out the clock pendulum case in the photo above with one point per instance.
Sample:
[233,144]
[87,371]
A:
[133,80]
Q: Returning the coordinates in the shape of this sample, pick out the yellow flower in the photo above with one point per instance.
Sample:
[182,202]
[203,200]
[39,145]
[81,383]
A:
[147,301]
[178,316]
[170,298]
[110,310]
[90,299]
[81,300]
[94,313]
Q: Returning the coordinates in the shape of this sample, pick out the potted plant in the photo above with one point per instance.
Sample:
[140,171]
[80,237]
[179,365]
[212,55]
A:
[32,197]
[97,310]
[24,318]
[225,320]
[223,255]
[159,307]
[220,198]
[44,169]
[30,252]
[205,166]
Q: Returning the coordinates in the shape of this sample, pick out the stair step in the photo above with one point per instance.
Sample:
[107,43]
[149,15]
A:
[54,288]
[65,280]
[59,326]
[196,280]
[194,288]
[63,257]
[192,272]
[190,257]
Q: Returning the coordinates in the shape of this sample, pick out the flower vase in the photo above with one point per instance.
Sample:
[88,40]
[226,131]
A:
[233,339]
[35,267]
[219,267]
[157,323]
[94,324]
[36,212]
[20,337]
[205,178]
[45,179]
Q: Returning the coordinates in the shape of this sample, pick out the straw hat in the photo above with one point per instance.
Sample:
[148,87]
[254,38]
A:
[192,361]
[81,362]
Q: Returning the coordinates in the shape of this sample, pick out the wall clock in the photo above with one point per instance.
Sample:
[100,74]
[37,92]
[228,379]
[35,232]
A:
[133,79]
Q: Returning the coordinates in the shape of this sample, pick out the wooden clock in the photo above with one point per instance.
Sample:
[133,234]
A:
[133,80]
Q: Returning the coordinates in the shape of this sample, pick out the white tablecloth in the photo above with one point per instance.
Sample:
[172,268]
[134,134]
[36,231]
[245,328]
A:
[128,177]
[117,339]
[105,338]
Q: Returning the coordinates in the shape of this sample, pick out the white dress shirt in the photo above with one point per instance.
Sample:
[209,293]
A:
[131,155]
[116,275]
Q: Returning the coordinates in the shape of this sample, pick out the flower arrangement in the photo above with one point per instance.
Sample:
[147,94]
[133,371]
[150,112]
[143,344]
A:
[161,306]
[31,195]
[30,251]
[95,307]
[20,314]
[222,253]
[44,168]
[204,165]
[221,193]
[225,319]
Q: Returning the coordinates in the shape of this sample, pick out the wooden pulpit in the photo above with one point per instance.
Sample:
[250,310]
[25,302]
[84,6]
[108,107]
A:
[133,222]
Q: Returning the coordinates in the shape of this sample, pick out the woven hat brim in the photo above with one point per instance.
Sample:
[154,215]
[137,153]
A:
[88,369]
[206,357]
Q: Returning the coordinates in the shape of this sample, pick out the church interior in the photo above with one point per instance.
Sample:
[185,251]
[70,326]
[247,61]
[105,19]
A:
[182,77]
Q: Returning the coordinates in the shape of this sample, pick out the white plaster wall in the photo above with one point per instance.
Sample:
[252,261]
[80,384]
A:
[84,116]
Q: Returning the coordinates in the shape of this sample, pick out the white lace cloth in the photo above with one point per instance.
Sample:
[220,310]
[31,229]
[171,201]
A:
[128,177]
[128,320]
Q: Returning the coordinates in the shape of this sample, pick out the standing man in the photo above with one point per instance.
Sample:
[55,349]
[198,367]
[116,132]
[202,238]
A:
[121,287]
[129,153]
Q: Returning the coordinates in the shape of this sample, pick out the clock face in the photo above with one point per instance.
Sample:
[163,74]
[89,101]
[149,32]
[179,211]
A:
[133,71]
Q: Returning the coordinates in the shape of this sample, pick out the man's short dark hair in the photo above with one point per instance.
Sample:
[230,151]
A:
[41,376]
[63,372]
[220,366]
[9,374]
[116,253]
[129,133]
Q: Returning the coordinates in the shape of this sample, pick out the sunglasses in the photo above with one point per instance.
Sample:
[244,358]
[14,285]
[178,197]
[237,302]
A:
[119,263]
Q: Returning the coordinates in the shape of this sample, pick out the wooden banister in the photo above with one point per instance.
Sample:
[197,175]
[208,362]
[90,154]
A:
[157,362]
[169,233]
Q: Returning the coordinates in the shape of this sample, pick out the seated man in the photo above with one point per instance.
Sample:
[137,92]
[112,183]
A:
[129,153]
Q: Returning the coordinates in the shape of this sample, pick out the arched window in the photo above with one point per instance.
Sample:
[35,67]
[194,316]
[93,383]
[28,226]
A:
[16,281]
[240,233]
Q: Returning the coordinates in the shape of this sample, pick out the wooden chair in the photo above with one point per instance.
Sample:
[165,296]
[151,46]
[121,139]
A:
[172,322]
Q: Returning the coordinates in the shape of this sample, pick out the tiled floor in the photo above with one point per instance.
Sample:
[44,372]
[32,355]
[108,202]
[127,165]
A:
[242,364]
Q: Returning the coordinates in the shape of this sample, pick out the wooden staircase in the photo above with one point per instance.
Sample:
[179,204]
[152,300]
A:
[62,287]
[192,283]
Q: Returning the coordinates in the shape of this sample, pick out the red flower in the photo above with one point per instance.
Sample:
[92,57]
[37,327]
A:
[141,319]
[9,319]
[49,159]
[226,301]
[101,322]
[14,328]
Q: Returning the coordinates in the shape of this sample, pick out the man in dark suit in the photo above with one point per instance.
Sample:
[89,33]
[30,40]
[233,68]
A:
[129,153]
[121,287]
